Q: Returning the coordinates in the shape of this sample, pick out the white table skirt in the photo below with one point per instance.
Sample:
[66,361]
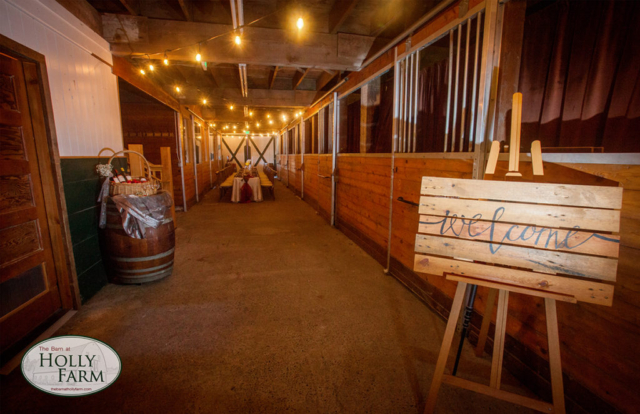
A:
[254,183]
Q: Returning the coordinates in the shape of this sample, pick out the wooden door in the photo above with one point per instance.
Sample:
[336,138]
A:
[29,292]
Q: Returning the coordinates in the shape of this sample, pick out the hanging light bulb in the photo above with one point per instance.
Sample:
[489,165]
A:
[177,89]
[268,116]
[258,124]
[231,107]
[142,71]
[300,23]
[270,122]
[151,68]
[198,56]
[166,59]
[234,127]
[204,101]
[238,40]
[250,113]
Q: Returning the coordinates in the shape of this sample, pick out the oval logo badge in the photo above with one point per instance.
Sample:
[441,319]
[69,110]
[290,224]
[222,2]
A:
[71,366]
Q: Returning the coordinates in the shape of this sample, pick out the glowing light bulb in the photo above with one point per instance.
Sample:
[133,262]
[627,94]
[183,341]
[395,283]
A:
[234,127]
[204,101]
[198,57]
[151,68]
[177,89]
[258,124]
[238,40]
[268,116]
[231,107]
[142,71]
[270,122]
[300,23]
[250,113]
[166,61]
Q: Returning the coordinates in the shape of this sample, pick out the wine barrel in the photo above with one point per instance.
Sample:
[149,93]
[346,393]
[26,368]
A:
[135,261]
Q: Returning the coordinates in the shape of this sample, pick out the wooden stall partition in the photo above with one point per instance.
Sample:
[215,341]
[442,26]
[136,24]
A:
[283,172]
[325,167]
[311,179]
[362,201]
[435,291]
[295,173]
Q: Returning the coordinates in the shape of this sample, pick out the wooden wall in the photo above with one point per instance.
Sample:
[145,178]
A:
[598,343]
[153,126]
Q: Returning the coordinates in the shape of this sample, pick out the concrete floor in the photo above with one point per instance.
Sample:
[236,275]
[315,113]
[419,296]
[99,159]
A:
[269,310]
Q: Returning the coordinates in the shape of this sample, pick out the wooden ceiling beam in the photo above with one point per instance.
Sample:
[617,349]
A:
[272,76]
[298,77]
[132,6]
[184,5]
[324,79]
[137,36]
[339,12]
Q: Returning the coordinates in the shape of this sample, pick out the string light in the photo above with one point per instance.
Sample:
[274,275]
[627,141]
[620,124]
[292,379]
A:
[270,122]
[142,71]
[250,113]
[238,40]
[234,127]
[204,101]
[268,116]
[151,68]
[198,57]
[258,124]
[231,107]
[177,89]
[166,60]
[300,23]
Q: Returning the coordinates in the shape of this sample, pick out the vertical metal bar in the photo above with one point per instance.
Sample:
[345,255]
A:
[464,87]
[472,125]
[303,134]
[446,128]
[394,146]
[404,108]
[336,130]
[455,97]
[415,105]
[485,85]
[400,104]
[410,103]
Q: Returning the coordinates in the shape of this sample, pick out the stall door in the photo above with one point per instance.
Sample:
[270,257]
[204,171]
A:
[28,283]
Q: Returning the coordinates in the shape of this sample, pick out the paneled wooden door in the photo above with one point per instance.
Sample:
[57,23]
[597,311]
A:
[29,292]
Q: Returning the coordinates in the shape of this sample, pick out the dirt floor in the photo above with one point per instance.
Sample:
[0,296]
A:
[269,310]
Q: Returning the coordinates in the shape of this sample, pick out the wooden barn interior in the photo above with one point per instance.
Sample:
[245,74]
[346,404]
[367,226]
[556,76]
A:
[318,291]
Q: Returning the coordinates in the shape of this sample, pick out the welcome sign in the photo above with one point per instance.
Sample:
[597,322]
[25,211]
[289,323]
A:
[71,366]
[527,234]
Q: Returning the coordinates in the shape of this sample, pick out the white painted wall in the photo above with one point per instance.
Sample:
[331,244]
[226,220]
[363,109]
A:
[84,92]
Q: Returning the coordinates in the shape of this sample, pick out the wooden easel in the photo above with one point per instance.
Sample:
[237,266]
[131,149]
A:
[471,230]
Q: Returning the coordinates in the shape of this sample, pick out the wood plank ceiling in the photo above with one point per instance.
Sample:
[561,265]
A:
[286,68]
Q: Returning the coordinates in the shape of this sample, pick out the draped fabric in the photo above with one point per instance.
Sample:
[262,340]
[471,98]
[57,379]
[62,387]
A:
[382,137]
[432,107]
[580,75]
[353,128]
[245,193]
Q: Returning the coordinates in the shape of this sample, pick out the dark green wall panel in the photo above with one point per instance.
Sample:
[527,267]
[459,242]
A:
[81,189]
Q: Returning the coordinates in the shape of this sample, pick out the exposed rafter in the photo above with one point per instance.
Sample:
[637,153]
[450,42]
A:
[270,47]
[184,5]
[272,76]
[132,6]
[324,79]
[298,77]
[339,12]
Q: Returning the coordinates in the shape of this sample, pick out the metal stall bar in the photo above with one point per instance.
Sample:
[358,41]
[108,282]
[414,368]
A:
[303,137]
[463,115]
[415,105]
[450,68]
[336,104]
[394,146]
[472,125]
[405,102]
[455,95]
[485,85]
[409,99]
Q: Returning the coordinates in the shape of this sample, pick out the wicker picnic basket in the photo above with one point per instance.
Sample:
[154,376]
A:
[150,187]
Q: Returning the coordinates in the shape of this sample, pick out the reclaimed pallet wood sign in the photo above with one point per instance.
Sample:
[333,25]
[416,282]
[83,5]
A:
[555,241]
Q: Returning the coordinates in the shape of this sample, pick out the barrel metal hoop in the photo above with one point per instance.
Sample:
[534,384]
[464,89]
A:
[167,271]
[149,269]
[143,259]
